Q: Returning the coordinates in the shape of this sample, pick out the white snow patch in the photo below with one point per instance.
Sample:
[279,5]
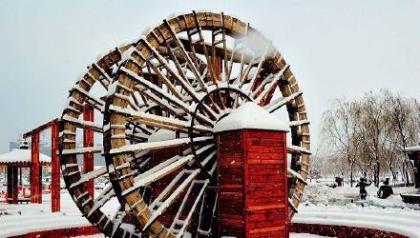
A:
[250,116]
[392,220]
[323,204]
[161,135]
[413,148]
[22,155]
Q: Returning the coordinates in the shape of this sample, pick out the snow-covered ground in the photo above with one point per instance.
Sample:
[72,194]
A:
[321,205]
[292,235]
[24,218]
[341,206]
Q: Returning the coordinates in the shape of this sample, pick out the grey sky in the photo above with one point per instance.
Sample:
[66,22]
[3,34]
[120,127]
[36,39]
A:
[336,48]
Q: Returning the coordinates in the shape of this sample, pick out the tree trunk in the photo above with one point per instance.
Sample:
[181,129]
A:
[407,181]
[403,172]
[351,173]
[376,174]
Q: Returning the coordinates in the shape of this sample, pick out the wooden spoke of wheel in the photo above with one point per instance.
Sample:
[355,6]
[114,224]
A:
[163,169]
[162,203]
[161,93]
[179,225]
[160,121]
[206,217]
[267,85]
[192,65]
[179,78]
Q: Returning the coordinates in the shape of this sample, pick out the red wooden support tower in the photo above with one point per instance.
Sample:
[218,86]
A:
[252,176]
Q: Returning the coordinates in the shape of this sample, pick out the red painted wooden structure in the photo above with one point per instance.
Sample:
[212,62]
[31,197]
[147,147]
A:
[88,141]
[253,197]
[14,175]
[55,171]
[36,168]
[12,184]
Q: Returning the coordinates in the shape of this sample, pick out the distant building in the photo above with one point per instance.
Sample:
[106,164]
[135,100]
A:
[13,145]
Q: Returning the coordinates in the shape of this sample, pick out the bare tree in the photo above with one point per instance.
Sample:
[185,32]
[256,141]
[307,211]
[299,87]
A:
[404,127]
[416,116]
[371,134]
[341,127]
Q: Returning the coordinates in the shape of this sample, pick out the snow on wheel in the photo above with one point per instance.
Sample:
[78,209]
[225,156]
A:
[194,69]
[80,127]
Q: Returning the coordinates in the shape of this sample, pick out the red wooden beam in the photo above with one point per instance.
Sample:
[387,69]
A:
[55,169]
[39,128]
[36,196]
[253,195]
[88,141]
[218,67]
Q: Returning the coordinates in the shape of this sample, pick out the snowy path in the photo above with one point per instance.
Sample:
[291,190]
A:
[397,220]
[25,218]
[393,220]
[332,206]
[16,226]
[325,208]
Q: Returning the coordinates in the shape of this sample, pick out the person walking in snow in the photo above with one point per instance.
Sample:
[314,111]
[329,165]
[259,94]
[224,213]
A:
[362,185]
[385,190]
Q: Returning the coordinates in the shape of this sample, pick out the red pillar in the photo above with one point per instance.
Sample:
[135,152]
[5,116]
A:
[36,196]
[253,195]
[218,67]
[55,169]
[88,141]
[12,184]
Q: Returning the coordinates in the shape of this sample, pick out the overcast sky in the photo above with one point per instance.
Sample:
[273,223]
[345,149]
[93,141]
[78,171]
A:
[335,48]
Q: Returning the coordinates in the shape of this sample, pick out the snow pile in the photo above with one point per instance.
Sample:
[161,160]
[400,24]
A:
[412,148]
[321,194]
[162,134]
[401,221]
[22,155]
[250,116]
[323,204]
[38,217]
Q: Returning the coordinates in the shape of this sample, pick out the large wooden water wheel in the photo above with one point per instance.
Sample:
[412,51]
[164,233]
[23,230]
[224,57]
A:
[88,94]
[179,81]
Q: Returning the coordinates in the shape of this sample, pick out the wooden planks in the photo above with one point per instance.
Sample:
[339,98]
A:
[253,194]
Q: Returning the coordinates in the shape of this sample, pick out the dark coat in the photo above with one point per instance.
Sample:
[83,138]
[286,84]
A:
[385,191]
[362,185]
